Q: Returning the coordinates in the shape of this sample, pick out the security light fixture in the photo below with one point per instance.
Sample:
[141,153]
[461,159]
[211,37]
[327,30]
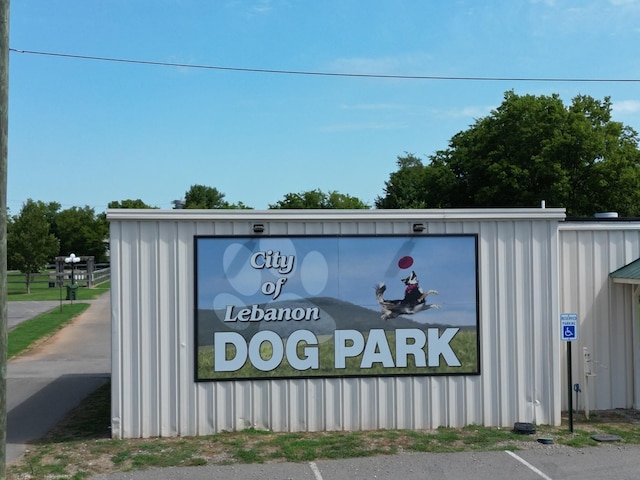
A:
[418,227]
[258,228]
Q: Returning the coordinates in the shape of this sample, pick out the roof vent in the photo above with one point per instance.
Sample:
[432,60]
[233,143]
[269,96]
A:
[606,215]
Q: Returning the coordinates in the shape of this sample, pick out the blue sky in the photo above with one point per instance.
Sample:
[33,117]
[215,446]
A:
[86,132]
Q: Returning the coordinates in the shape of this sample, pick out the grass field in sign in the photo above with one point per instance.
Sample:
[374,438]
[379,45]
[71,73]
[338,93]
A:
[464,345]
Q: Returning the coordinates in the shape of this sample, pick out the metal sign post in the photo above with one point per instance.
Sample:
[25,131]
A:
[569,333]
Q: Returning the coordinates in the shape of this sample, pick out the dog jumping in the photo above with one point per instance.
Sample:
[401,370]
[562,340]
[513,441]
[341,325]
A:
[414,300]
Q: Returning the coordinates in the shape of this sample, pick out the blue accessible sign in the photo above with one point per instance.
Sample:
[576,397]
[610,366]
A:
[569,327]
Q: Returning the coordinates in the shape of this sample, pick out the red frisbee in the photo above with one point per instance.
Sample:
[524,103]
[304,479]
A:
[405,262]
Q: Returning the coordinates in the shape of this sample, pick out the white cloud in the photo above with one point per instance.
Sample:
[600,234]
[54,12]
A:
[470,111]
[257,7]
[371,106]
[622,2]
[406,64]
[350,127]
[262,6]
[626,106]
[363,66]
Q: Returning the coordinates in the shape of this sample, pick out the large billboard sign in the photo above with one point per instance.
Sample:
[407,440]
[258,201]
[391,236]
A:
[335,306]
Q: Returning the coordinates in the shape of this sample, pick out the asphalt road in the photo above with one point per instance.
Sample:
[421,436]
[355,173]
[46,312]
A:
[547,462]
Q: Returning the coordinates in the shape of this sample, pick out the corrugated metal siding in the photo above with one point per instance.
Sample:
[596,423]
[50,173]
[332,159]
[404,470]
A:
[607,311]
[154,393]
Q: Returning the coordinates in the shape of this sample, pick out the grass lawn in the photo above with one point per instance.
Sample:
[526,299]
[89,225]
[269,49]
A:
[40,290]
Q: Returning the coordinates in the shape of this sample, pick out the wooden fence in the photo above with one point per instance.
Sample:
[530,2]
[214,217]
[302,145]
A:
[17,281]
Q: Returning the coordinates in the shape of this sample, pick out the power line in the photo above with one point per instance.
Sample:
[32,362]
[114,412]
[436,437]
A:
[328,74]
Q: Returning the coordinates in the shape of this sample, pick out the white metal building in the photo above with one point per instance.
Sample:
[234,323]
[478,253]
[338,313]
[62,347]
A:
[591,253]
[532,265]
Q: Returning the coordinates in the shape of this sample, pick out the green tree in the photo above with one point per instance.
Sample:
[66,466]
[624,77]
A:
[317,199]
[203,197]
[129,204]
[406,186]
[52,209]
[81,232]
[30,244]
[531,148]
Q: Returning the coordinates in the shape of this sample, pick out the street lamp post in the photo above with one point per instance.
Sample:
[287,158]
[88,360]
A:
[72,259]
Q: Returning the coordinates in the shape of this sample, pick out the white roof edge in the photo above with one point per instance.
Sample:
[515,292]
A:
[594,225]
[473,214]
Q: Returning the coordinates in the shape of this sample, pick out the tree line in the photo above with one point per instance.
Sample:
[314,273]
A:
[42,231]
[530,148]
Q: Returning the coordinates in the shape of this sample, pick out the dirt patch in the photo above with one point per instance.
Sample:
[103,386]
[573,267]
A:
[618,415]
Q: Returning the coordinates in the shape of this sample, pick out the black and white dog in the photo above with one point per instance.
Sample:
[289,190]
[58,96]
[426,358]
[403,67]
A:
[413,301]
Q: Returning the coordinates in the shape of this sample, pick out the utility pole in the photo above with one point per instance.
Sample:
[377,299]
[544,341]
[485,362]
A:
[4,140]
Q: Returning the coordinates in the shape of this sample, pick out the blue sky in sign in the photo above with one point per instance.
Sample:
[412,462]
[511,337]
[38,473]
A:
[88,131]
[241,272]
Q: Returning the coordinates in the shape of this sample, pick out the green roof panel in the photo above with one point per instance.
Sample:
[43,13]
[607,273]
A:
[630,271]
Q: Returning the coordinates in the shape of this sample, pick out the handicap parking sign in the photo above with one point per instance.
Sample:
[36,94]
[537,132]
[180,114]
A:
[569,327]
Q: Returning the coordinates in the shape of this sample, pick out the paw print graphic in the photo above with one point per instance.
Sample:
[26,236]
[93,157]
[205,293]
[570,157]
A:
[274,285]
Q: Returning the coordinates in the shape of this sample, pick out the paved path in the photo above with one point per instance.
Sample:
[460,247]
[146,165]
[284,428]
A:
[43,386]
[18,312]
[544,463]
